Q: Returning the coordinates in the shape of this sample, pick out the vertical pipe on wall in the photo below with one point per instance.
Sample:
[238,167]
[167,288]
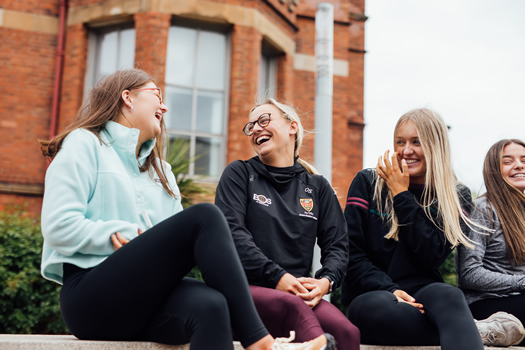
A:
[58,69]
[324,57]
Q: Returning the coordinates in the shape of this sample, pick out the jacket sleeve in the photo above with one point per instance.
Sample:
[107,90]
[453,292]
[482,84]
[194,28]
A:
[70,183]
[421,235]
[232,198]
[472,273]
[332,237]
[362,275]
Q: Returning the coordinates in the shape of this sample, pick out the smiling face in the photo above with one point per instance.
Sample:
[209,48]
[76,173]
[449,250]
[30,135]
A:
[147,112]
[513,165]
[408,146]
[274,144]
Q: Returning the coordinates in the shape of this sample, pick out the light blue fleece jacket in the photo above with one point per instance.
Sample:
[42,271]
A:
[94,189]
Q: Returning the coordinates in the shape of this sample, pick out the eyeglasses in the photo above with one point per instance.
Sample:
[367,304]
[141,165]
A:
[155,88]
[263,121]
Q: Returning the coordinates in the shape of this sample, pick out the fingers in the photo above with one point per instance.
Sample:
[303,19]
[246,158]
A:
[404,167]
[404,297]
[115,241]
[139,231]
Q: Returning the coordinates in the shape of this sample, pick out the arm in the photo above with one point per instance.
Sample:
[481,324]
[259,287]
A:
[71,180]
[472,273]
[362,275]
[232,199]
[421,235]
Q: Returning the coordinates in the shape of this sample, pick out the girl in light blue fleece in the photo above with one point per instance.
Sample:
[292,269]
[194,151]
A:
[116,237]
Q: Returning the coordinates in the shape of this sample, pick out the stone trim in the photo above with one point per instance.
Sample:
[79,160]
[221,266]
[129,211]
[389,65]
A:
[28,22]
[36,190]
[200,9]
[307,63]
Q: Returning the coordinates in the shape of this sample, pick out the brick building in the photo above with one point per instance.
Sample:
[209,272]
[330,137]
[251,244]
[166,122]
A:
[210,57]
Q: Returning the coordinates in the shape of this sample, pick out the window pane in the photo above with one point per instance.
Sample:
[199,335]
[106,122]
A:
[180,60]
[126,55]
[210,107]
[209,150]
[212,60]
[178,101]
[107,55]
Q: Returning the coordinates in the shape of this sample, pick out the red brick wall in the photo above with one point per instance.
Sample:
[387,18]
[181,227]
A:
[74,72]
[36,7]
[26,82]
[30,58]
[151,41]
[245,57]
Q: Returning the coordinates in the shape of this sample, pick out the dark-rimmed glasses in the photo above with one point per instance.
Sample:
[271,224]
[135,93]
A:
[155,88]
[263,121]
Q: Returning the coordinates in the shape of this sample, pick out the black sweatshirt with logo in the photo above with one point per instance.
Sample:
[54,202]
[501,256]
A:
[377,263]
[275,216]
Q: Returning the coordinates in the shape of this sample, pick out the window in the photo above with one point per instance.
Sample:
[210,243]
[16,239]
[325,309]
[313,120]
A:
[110,49]
[196,95]
[267,73]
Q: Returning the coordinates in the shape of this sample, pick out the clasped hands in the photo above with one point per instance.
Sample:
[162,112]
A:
[309,289]
[396,178]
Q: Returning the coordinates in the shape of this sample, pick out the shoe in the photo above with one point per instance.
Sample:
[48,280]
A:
[501,329]
[323,342]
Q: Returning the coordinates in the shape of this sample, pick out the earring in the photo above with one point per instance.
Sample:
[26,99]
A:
[131,108]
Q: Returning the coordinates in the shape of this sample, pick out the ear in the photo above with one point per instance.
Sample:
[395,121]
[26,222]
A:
[294,127]
[126,97]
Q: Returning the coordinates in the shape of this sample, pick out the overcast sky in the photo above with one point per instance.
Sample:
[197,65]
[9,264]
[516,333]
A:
[463,58]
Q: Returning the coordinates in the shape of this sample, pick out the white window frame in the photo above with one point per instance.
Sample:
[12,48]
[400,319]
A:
[193,135]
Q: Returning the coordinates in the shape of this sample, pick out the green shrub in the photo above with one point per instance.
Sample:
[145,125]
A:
[448,270]
[28,302]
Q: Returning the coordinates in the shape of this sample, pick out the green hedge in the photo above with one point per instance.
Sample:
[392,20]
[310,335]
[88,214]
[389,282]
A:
[28,303]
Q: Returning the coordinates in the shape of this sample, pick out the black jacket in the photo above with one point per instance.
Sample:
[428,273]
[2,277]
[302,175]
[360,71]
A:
[275,216]
[377,263]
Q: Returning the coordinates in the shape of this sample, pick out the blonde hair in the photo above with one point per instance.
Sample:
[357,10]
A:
[290,114]
[440,180]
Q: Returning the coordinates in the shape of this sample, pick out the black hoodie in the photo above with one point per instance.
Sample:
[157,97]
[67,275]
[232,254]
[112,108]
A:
[377,263]
[275,215]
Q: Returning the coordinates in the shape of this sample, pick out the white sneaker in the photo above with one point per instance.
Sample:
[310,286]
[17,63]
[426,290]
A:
[328,343]
[501,329]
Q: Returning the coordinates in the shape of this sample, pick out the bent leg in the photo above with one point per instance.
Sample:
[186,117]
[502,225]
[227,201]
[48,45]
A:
[334,322]
[283,312]
[117,298]
[383,320]
[514,305]
[194,313]
[446,307]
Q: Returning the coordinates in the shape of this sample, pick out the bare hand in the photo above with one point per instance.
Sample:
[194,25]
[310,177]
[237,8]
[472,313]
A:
[118,240]
[289,284]
[396,180]
[317,289]
[404,297]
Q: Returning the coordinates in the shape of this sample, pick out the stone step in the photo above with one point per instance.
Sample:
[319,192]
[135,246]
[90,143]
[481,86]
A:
[69,342]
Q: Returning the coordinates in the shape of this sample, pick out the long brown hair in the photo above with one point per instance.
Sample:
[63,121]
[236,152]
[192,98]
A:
[104,103]
[507,201]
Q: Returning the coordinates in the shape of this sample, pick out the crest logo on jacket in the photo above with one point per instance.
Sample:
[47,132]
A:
[261,199]
[307,203]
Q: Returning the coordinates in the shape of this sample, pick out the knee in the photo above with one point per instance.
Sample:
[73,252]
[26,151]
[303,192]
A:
[372,307]
[206,210]
[442,295]
[291,305]
[212,305]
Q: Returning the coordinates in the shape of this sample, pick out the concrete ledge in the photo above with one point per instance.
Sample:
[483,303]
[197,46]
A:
[63,342]
[68,342]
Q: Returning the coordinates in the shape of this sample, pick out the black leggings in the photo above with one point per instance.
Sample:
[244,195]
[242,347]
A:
[513,305]
[140,293]
[383,320]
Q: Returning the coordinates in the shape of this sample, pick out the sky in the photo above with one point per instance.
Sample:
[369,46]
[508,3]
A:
[463,58]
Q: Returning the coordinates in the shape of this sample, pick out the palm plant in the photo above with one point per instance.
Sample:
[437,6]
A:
[179,159]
